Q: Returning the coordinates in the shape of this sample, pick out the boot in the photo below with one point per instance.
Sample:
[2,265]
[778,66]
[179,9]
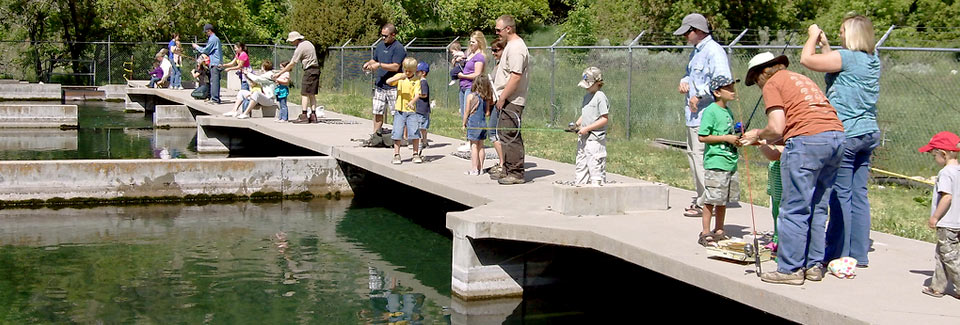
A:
[313,117]
[302,119]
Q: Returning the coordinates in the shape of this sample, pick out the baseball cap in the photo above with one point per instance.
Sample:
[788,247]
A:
[697,21]
[721,81]
[945,140]
[760,61]
[207,27]
[590,76]
[423,66]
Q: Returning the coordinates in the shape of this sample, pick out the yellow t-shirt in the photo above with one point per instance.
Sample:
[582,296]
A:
[407,91]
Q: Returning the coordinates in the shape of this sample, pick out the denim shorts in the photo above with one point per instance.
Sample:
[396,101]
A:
[408,120]
[424,121]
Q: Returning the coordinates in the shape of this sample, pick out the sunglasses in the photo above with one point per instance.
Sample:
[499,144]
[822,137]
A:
[384,35]
[496,50]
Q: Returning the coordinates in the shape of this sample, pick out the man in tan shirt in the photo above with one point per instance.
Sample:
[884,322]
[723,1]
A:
[512,78]
[306,54]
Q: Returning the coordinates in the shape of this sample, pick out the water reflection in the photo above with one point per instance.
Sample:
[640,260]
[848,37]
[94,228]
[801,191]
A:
[239,263]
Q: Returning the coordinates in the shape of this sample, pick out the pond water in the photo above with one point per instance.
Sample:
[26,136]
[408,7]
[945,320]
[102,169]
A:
[105,132]
[317,262]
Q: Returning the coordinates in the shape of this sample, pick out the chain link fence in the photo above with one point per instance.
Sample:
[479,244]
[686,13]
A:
[641,79]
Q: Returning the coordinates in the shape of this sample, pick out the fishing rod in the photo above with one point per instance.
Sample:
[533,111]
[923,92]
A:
[753,218]
[755,107]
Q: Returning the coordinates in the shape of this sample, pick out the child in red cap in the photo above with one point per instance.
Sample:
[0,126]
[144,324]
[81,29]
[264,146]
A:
[944,215]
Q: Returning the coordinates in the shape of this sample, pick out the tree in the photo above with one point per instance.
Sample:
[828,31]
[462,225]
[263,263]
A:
[468,15]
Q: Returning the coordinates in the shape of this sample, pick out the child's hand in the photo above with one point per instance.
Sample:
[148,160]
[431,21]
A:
[583,131]
[731,139]
[932,223]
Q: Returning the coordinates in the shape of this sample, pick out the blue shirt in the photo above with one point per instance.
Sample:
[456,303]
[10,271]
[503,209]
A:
[854,90]
[707,61]
[387,54]
[212,49]
[423,103]
[170,47]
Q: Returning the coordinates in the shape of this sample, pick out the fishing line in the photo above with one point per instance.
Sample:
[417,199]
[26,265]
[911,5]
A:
[753,217]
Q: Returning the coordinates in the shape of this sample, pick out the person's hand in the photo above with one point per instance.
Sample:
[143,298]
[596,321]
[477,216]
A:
[684,87]
[932,223]
[693,104]
[814,32]
[583,131]
[499,104]
[750,137]
[731,139]
[464,126]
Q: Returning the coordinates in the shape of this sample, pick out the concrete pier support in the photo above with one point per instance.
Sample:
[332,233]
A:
[493,311]
[38,116]
[28,91]
[211,141]
[173,116]
[472,279]
[610,199]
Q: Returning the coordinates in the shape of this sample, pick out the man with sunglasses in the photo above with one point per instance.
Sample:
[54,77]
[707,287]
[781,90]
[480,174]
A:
[386,62]
[511,80]
[708,60]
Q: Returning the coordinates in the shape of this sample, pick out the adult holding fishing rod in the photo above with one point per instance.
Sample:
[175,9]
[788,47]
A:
[799,113]
[213,50]
[853,86]
[707,61]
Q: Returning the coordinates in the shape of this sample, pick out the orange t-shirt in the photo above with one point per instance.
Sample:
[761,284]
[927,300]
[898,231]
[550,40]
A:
[807,109]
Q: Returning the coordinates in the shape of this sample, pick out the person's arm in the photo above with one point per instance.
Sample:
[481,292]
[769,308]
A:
[728,138]
[776,122]
[478,69]
[827,60]
[283,78]
[472,104]
[771,152]
[390,67]
[508,90]
[599,123]
[395,79]
[942,207]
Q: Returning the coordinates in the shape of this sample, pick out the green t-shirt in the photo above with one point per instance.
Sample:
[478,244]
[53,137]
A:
[717,120]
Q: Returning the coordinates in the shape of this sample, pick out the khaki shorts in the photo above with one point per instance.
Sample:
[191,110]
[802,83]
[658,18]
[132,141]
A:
[310,82]
[384,100]
[720,187]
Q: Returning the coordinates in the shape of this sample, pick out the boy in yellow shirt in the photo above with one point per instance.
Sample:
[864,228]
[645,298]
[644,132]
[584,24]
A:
[405,118]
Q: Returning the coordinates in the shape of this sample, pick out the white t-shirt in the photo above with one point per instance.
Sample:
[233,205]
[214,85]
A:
[948,181]
[166,67]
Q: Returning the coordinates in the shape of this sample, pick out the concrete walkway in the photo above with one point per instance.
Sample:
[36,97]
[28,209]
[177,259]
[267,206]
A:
[664,241]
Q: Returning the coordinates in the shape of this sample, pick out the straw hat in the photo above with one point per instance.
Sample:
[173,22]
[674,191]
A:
[293,36]
[761,61]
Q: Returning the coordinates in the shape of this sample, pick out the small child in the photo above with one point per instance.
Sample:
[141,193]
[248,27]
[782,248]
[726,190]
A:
[282,91]
[945,214]
[592,129]
[423,104]
[405,118]
[201,73]
[456,62]
[719,159]
[176,81]
[156,74]
[476,108]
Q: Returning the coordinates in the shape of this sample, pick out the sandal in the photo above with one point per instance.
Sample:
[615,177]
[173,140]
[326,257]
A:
[718,236]
[930,292]
[707,240]
[693,211]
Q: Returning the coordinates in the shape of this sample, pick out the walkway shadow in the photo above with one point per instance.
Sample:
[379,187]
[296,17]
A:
[530,175]
[430,158]
[922,272]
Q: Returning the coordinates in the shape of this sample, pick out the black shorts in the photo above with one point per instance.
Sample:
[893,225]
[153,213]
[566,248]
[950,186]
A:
[310,84]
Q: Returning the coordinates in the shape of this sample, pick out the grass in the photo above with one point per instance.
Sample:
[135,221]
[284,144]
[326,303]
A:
[896,209]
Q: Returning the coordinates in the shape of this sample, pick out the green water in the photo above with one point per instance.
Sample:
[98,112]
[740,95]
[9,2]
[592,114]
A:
[319,262]
[105,132]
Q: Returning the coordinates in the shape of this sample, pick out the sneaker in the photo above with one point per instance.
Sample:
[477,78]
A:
[510,180]
[243,116]
[472,173]
[396,160]
[313,118]
[280,121]
[795,278]
[230,114]
[463,147]
[417,159]
[496,175]
[321,111]
[814,273]
[301,119]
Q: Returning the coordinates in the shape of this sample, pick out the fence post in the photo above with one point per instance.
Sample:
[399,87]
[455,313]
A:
[342,62]
[884,38]
[109,58]
[408,44]
[735,40]
[276,59]
[630,78]
[553,68]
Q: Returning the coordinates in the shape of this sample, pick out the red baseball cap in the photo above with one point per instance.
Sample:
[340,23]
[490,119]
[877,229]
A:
[945,140]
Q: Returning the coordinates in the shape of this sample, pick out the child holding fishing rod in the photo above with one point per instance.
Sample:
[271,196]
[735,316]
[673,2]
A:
[592,130]
[721,184]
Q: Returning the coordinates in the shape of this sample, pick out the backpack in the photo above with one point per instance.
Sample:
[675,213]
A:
[379,140]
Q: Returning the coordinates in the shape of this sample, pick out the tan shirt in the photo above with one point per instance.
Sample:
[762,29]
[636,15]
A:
[306,54]
[515,59]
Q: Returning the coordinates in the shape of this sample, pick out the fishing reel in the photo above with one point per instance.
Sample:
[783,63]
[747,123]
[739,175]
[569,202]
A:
[572,127]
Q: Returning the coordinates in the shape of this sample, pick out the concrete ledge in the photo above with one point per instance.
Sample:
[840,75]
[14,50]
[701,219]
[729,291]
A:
[114,91]
[174,116]
[28,91]
[38,139]
[609,199]
[25,180]
[38,116]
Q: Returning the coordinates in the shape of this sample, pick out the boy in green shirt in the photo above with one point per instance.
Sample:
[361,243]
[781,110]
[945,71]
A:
[719,159]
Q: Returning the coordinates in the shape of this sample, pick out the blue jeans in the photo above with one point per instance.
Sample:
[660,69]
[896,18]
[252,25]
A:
[175,77]
[215,84]
[153,82]
[492,122]
[463,98]
[244,85]
[808,169]
[283,113]
[848,233]
[408,120]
